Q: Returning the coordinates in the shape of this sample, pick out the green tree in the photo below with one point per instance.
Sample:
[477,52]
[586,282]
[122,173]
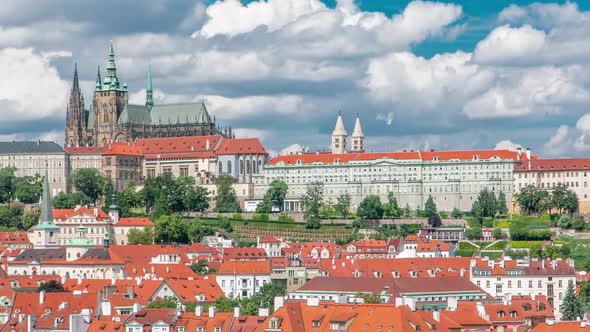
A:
[485,205]
[342,206]
[223,304]
[313,199]
[145,236]
[570,202]
[226,199]
[327,209]
[248,307]
[265,297]
[277,193]
[70,201]
[128,199]
[11,217]
[52,286]
[456,213]
[391,209]
[502,204]
[28,189]
[171,229]
[407,211]
[90,182]
[265,206]
[7,183]
[584,295]
[429,207]
[498,234]
[577,222]
[538,251]
[196,230]
[200,267]
[31,218]
[474,233]
[370,208]
[197,199]
[532,200]
[168,302]
[435,221]
[369,297]
[564,221]
[313,223]
[570,307]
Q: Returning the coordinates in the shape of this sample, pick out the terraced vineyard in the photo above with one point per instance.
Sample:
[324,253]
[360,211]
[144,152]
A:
[298,232]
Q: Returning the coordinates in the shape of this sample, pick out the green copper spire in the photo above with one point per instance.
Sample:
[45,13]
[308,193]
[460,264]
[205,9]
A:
[149,91]
[98,79]
[113,205]
[46,221]
[111,82]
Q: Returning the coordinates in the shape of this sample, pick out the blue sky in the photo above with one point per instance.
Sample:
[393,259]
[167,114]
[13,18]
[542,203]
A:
[421,74]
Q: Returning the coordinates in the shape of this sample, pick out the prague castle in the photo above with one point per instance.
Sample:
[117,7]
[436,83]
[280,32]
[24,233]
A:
[112,119]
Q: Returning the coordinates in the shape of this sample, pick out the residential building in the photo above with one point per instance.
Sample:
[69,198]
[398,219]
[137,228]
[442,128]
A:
[271,245]
[15,240]
[242,279]
[36,159]
[84,157]
[574,173]
[123,164]
[447,234]
[506,278]
[152,319]
[424,293]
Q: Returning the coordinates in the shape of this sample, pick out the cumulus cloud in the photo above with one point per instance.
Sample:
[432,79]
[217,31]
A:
[31,87]
[560,143]
[507,145]
[506,44]
[293,149]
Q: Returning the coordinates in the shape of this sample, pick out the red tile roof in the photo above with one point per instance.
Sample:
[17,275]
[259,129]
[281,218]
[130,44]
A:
[241,267]
[329,158]
[552,165]
[85,150]
[562,327]
[240,146]
[122,149]
[129,222]
[64,214]
[178,147]
[7,238]
[270,239]
[187,289]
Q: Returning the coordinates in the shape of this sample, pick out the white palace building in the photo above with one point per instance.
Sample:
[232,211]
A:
[453,178]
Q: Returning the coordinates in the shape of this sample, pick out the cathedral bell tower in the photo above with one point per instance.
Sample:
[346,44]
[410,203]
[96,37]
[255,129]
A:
[75,115]
[339,137]
[110,97]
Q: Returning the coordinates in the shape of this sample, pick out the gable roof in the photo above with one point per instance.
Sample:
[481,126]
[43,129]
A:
[134,221]
[240,146]
[241,267]
[122,149]
[553,165]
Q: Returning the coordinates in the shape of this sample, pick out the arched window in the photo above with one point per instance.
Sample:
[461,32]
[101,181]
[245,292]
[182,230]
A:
[241,166]
[220,167]
[247,167]
[229,166]
[260,165]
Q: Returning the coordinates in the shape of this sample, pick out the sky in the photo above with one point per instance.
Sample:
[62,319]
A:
[421,75]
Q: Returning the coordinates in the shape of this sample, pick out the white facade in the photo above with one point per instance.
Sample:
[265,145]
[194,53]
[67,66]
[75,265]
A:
[241,285]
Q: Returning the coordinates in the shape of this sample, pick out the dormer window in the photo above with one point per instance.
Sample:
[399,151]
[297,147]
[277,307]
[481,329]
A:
[500,314]
[513,314]
[315,323]
[435,158]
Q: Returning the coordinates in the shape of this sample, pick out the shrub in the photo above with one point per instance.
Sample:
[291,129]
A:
[564,221]
[260,217]
[443,214]
[286,219]
[474,233]
[237,216]
[312,223]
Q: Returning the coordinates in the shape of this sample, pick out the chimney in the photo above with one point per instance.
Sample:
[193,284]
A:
[212,311]
[130,292]
[96,212]
[436,316]
[313,301]
[279,302]
[41,296]
[263,312]
[543,263]
[198,311]
[528,154]
[236,312]
[399,302]
[411,302]
[452,303]
[207,145]
[79,279]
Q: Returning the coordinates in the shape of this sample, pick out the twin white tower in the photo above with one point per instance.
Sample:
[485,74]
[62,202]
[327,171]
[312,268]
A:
[340,137]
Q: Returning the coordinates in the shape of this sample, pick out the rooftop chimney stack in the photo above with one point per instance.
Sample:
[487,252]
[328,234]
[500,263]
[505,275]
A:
[212,311]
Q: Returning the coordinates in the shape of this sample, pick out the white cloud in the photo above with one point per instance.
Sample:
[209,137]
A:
[560,143]
[251,133]
[388,118]
[522,92]
[53,136]
[30,87]
[505,44]
[507,145]
[425,84]
[233,108]
[293,149]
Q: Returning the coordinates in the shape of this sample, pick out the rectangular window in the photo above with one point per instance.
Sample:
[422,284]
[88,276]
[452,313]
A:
[184,171]
[167,169]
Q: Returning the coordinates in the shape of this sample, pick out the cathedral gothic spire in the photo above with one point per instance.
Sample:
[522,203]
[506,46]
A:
[76,84]
[149,91]
[98,79]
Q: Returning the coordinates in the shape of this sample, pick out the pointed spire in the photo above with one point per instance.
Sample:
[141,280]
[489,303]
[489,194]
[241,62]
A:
[98,79]
[46,220]
[358,131]
[149,92]
[111,82]
[76,84]
[339,129]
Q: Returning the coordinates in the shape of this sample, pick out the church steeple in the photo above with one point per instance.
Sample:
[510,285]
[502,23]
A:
[98,79]
[46,230]
[75,116]
[111,82]
[339,136]
[358,137]
[149,91]
[76,84]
